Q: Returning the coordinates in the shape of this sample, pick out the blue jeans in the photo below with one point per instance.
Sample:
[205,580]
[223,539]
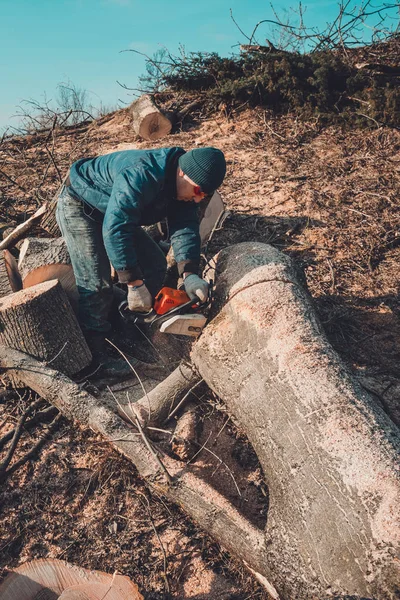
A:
[81,227]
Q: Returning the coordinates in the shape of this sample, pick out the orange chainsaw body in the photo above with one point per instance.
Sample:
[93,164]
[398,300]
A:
[169,298]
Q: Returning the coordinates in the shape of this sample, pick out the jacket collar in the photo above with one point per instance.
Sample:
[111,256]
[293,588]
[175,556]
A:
[171,169]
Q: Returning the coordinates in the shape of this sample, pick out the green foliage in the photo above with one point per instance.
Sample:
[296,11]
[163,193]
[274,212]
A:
[323,83]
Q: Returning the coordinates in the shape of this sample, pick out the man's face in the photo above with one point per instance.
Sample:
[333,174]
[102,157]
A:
[188,190]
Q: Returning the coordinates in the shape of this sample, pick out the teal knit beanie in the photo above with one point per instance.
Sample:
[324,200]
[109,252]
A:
[206,167]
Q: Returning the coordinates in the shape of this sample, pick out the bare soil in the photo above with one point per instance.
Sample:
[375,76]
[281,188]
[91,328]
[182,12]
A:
[326,196]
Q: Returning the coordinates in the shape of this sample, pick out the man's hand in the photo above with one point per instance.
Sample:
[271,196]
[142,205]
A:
[196,287]
[139,298]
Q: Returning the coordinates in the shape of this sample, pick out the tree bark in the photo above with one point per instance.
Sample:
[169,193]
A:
[155,406]
[44,259]
[184,442]
[148,121]
[40,322]
[10,279]
[329,453]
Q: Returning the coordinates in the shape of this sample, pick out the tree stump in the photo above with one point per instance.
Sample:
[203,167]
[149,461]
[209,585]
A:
[39,321]
[148,121]
[10,279]
[44,259]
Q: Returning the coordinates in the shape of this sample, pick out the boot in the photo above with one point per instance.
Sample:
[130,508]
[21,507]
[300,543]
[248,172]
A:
[106,360]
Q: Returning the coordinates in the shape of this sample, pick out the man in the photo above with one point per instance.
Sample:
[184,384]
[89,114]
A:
[100,211]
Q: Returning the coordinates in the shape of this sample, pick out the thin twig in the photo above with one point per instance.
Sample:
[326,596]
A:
[164,574]
[177,407]
[16,437]
[136,422]
[37,418]
[48,362]
[51,429]
[135,372]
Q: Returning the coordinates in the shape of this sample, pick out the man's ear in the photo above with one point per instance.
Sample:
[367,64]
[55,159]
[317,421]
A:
[180,172]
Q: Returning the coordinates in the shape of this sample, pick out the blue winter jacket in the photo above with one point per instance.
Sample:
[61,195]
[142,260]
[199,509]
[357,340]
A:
[133,188]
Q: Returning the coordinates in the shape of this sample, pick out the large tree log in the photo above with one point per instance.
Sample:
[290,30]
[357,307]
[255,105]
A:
[147,120]
[44,259]
[182,485]
[329,453]
[10,279]
[40,322]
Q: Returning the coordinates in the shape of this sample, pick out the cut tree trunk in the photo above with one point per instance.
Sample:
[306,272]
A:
[10,279]
[148,121]
[44,259]
[40,322]
[329,453]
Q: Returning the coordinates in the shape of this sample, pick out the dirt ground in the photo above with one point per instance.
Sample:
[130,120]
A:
[327,197]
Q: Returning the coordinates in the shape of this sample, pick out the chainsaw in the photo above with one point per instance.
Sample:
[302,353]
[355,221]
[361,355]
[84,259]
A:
[173,312]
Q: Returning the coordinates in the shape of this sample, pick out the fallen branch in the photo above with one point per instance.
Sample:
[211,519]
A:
[20,231]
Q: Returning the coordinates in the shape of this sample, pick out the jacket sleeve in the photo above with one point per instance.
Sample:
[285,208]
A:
[183,223]
[130,193]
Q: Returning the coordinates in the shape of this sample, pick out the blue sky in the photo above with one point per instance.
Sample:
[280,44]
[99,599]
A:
[45,42]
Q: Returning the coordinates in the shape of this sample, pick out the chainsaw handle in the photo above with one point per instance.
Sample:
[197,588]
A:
[134,317]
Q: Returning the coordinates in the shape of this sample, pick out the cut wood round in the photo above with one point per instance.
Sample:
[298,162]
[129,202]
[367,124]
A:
[44,259]
[40,322]
[52,578]
[10,279]
[148,121]
[36,252]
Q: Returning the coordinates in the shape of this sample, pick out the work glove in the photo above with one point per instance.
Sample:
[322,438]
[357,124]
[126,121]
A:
[196,287]
[139,298]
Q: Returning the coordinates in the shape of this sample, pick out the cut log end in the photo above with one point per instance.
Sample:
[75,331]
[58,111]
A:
[39,321]
[154,127]
[148,121]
